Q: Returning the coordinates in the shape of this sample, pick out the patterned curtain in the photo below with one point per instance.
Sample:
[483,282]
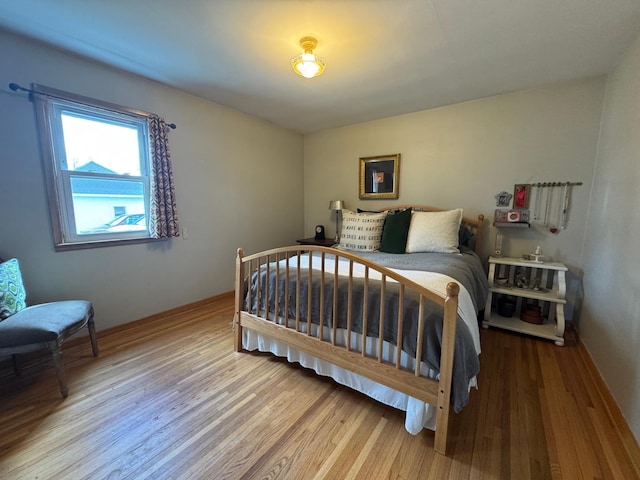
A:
[164,214]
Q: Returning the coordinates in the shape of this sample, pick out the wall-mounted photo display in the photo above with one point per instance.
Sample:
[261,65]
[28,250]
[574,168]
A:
[379,176]
[521,193]
[503,199]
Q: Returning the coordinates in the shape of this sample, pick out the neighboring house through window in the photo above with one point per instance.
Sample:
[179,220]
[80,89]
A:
[98,169]
[119,210]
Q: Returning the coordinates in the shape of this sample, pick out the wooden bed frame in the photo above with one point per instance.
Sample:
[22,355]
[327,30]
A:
[298,333]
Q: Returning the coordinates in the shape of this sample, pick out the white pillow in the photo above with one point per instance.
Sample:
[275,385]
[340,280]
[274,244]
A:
[434,231]
[361,232]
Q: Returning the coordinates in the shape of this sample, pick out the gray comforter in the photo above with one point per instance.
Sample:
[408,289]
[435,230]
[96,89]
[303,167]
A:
[466,268]
[466,362]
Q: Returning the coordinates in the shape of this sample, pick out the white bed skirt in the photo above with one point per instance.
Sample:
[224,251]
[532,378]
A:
[419,415]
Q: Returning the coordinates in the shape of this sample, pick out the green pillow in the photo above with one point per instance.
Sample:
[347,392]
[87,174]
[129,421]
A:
[12,293]
[395,232]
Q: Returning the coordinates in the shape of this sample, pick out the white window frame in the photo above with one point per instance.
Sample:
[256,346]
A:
[49,106]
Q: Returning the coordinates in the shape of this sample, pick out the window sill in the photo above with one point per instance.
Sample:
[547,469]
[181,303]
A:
[63,247]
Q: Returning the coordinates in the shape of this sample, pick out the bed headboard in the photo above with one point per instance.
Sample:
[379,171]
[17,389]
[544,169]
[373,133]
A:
[476,226]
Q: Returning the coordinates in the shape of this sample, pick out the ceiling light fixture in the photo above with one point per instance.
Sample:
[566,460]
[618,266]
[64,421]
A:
[307,64]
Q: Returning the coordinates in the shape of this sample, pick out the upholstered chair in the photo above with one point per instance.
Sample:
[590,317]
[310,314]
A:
[25,328]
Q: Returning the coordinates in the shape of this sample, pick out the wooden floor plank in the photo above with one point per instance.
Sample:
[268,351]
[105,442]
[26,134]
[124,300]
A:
[169,398]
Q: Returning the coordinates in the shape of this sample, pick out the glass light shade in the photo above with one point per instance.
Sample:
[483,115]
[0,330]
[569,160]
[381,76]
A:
[307,65]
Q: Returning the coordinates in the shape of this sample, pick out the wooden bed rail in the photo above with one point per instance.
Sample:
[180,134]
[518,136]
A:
[289,273]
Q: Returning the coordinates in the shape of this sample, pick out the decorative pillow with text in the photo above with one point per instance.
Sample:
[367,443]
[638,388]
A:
[361,232]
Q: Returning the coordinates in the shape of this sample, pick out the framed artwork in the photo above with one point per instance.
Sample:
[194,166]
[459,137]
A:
[521,195]
[379,176]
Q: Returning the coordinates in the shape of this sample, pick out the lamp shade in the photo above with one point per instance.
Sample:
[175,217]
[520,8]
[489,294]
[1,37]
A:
[336,205]
[307,64]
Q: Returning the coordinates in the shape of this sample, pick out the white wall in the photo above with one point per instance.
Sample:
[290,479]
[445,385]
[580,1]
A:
[222,160]
[463,155]
[610,319]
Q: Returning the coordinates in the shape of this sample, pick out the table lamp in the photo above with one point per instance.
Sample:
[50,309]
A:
[337,205]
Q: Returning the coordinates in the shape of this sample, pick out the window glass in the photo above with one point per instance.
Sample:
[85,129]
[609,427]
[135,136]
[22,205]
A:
[97,165]
[94,200]
[95,145]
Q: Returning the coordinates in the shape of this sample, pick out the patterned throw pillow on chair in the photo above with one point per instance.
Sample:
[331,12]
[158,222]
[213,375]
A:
[12,293]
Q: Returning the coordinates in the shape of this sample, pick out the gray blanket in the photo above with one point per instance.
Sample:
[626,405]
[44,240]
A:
[466,268]
[466,362]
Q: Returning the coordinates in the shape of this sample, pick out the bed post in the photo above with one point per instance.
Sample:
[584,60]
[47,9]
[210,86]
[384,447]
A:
[237,328]
[446,367]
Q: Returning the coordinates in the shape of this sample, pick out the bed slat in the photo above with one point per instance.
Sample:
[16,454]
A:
[383,291]
[365,309]
[400,326]
[420,334]
[334,327]
[309,294]
[349,304]
[322,278]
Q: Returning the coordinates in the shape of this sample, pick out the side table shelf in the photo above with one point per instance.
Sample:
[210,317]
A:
[527,284]
[325,242]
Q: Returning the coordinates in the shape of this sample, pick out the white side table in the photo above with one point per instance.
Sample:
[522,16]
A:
[547,288]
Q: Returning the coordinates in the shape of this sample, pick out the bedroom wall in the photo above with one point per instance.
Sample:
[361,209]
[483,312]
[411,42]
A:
[463,155]
[610,319]
[221,160]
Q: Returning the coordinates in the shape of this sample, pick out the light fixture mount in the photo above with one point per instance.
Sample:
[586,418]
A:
[307,64]
[308,44]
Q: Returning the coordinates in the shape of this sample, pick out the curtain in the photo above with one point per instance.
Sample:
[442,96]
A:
[164,214]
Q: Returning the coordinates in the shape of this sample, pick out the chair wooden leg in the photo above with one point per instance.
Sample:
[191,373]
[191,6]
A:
[57,360]
[92,335]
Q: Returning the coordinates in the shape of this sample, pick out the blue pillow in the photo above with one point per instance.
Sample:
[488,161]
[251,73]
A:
[12,294]
[464,237]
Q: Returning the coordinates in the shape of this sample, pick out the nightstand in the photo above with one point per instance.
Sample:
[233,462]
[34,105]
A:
[545,287]
[327,242]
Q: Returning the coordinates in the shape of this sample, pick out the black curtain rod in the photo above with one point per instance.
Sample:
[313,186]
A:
[15,87]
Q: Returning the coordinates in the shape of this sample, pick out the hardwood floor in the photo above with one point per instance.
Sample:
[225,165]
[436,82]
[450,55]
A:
[169,399]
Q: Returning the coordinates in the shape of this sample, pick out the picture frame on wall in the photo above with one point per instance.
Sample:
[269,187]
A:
[379,176]
[521,193]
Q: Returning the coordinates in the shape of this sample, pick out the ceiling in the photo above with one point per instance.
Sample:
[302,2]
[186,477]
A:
[384,57]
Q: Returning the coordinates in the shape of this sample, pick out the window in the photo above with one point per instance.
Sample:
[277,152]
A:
[97,163]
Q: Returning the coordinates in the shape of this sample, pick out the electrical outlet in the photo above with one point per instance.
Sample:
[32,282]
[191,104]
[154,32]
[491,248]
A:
[185,233]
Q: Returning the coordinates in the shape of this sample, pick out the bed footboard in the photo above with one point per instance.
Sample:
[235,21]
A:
[311,299]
